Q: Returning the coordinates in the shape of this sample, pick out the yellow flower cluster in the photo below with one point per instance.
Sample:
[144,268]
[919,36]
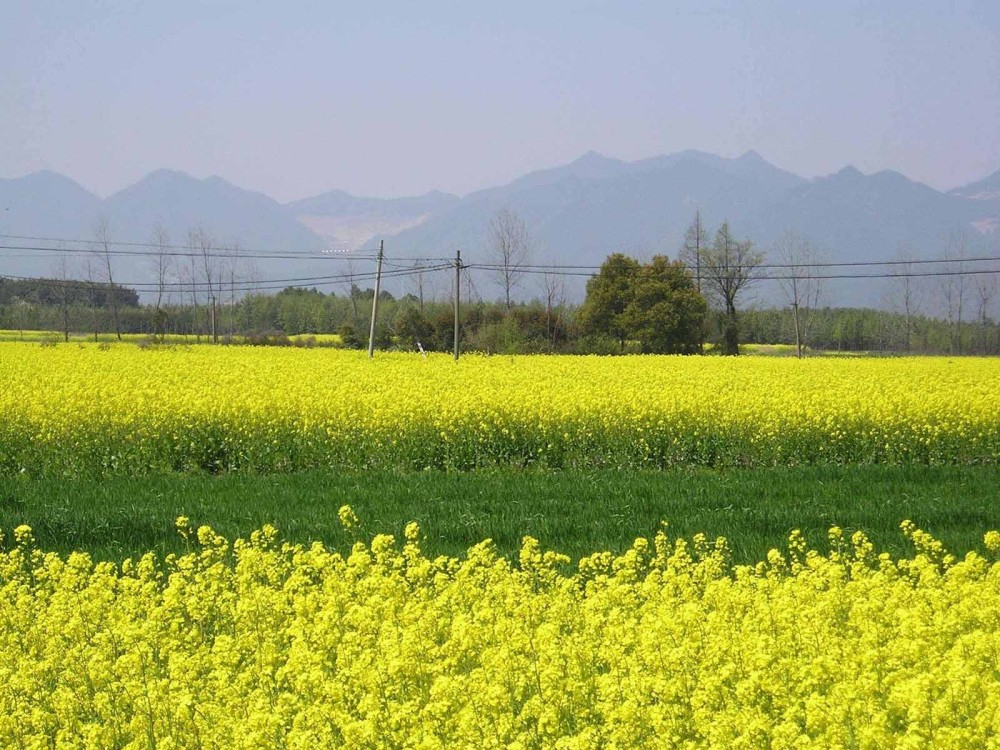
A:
[263,644]
[80,409]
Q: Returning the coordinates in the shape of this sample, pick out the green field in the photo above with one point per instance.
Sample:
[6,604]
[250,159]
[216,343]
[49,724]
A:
[573,512]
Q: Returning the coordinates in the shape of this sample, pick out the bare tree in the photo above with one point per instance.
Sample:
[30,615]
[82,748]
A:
[798,280]
[471,289]
[730,267]
[349,276]
[162,263]
[188,275]
[953,289]
[554,289]
[90,274]
[695,243]
[418,282]
[205,248]
[65,293]
[232,267]
[986,289]
[907,293]
[103,244]
[509,250]
[252,275]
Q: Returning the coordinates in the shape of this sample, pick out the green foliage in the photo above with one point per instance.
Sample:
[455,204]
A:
[412,327]
[349,337]
[656,304]
[575,512]
[58,292]
[609,322]
[665,312]
[504,337]
[608,294]
[846,329]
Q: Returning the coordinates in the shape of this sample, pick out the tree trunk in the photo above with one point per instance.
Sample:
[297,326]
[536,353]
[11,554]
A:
[731,333]
[798,338]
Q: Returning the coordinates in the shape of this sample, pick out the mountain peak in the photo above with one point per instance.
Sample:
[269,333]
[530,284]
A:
[47,176]
[751,157]
[164,175]
[850,171]
[592,158]
[48,183]
[985,189]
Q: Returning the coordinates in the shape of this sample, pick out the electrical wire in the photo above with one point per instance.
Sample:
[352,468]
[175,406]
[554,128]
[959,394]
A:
[186,286]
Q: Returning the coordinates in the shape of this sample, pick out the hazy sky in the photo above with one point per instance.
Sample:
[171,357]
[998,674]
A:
[395,98]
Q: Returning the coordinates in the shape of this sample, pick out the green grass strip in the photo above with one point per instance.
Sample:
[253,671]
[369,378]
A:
[573,512]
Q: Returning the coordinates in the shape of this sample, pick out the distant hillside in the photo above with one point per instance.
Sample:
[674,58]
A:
[985,190]
[49,205]
[987,193]
[576,214]
[229,213]
[41,204]
[579,213]
[346,222]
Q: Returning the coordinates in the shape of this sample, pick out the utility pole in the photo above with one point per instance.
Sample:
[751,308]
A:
[378,283]
[458,286]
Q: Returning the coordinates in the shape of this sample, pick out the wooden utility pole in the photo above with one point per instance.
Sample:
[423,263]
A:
[378,284]
[458,286]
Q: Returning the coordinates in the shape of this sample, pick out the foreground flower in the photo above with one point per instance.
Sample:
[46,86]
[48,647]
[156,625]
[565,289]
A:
[265,644]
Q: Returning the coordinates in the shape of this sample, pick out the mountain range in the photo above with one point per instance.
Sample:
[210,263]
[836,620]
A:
[575,214]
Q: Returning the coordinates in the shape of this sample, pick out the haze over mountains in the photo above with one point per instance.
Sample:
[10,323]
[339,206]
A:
[576,214]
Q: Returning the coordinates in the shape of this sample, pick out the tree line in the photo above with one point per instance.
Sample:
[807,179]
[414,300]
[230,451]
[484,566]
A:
[695,303]
[526,327]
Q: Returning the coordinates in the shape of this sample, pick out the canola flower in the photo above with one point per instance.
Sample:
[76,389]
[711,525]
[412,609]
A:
[85,410]
[263,644]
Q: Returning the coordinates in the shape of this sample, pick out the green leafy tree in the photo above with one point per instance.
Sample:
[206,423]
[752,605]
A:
[656,304]
[608,294]
[665,312]
[412,327]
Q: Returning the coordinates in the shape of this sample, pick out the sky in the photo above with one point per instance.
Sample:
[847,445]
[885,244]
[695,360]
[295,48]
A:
[398,98]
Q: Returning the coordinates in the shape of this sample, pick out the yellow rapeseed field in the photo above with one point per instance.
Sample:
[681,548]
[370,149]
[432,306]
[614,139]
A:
[86,409]
[260,644]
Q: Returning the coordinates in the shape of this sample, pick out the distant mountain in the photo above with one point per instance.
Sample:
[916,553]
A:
[43,204]
[863,217]
[230,214]
[984,190]
[50,205]
[347,222]
[576,214]
[987,192]
[44,199]
[579,213]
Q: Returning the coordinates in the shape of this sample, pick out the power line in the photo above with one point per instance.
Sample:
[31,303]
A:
[234,252]
[231,254]
[553,270]
[226,250]
[198,251]
[921,261]
[406,271]
[184,286]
